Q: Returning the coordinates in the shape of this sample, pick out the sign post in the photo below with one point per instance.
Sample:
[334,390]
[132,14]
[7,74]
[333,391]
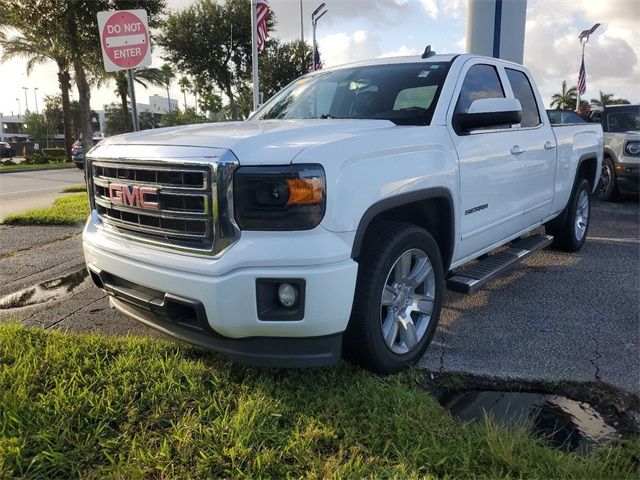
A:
[124,36]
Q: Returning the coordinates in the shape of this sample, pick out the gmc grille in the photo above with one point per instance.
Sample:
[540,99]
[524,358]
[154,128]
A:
[179,206]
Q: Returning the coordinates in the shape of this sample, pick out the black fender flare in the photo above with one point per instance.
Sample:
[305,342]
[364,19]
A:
[398,201]
[560,219]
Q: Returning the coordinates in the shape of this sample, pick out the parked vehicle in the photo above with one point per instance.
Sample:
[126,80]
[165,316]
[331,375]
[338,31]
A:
[333,219]
[77,154]
[621,163]
[557,117]
[6,150]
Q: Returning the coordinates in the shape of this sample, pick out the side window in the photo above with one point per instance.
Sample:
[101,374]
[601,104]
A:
[522,91]
[482,81]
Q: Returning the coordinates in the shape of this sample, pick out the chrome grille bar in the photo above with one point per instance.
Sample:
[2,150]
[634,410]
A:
[179,202]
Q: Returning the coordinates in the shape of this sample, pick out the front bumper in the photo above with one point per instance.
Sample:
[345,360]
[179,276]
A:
[224,291]
[628,175]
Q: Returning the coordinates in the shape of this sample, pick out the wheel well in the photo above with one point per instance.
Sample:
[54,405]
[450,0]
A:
[434,215]
[588,170]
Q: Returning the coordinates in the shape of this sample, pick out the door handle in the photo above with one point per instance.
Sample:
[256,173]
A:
[517,150]
[548,145]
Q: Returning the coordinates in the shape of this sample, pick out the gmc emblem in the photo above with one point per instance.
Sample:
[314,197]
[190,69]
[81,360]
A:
[132,196]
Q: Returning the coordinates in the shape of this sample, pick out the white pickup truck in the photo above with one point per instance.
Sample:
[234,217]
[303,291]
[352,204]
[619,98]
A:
[330,222]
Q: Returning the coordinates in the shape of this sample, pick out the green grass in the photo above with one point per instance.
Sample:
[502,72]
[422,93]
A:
[70,209]
[75,188]
[37,166]
[96,407]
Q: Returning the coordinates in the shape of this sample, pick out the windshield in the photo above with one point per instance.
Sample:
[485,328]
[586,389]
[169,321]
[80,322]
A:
[622,121]
[405,93]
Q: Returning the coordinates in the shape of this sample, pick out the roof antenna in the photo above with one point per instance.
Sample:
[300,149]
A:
[428,52]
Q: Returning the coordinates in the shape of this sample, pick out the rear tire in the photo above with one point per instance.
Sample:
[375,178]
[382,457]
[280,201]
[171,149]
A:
[570,229]
[608,186]
[398,299]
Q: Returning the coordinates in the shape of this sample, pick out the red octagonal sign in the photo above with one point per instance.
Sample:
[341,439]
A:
[124,35]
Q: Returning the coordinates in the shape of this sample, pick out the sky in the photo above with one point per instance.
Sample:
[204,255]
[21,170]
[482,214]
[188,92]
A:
[355,30]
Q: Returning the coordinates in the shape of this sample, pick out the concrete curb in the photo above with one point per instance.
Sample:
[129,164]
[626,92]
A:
[19,170]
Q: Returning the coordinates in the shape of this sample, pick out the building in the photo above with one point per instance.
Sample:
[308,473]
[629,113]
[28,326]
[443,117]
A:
[159,104]
[12,127]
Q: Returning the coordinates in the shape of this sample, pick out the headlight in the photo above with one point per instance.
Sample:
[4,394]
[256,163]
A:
[632,148]
[279,198]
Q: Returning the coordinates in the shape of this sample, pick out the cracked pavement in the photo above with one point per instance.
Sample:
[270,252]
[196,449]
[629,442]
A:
[555,317]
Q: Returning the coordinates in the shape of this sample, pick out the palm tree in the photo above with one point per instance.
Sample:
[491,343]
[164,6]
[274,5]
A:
[566,99]
[169,75]
[185,85]
[41,50]
[603,100]
[143,77]
[607,99]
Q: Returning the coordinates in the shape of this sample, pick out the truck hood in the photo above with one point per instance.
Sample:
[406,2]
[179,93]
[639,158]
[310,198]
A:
[264,142]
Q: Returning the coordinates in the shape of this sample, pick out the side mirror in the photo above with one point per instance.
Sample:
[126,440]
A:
[489,112]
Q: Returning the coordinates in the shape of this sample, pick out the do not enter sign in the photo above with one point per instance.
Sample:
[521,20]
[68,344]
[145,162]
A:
[124,36]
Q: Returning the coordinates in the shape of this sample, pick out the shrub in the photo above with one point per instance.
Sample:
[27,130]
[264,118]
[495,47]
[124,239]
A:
[6,163]
[35,157]
[54,152]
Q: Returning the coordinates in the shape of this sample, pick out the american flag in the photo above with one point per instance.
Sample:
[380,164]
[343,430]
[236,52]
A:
[582,79]
[317,63]
[262,8]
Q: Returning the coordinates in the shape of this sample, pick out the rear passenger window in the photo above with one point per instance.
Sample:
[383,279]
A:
[522,91]
[482,81]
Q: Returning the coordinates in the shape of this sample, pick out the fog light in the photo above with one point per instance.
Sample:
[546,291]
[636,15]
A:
[287,295]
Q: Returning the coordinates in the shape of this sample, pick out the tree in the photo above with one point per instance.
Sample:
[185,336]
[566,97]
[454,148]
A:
[53,113]
[37,48]
[114,123]
[73,25]
[36,126]
[142,76]
[565,99]
[283,63]
[211,103]
[168,75]
[605,99]
[185,85]
[181,117]
[211,41]
[149,120]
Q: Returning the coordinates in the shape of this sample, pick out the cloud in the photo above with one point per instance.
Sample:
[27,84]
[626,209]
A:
[403,51]
[446,8]
[552,50]
[431,7]
[340,48]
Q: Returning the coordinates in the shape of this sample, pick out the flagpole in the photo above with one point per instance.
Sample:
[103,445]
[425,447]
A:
[254,54]
[581,63]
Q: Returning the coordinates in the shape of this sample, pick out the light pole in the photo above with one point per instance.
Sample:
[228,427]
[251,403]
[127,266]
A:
[584,38]
[35,97]
[317,14]
[19,108]
[26,102]
[301,23]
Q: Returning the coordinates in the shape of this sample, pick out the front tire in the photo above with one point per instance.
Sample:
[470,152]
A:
[398,299]
[571,227]
[608,186]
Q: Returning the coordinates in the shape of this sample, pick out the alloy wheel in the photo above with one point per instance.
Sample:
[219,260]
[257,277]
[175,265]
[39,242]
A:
[407,300]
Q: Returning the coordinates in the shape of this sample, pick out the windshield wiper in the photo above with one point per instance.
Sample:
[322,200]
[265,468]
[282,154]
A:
[325,116]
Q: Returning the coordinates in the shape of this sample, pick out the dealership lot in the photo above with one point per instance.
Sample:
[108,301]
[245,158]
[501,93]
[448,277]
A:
[556,317]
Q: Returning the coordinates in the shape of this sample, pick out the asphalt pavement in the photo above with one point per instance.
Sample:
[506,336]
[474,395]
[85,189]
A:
[557,316]
[21,191]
